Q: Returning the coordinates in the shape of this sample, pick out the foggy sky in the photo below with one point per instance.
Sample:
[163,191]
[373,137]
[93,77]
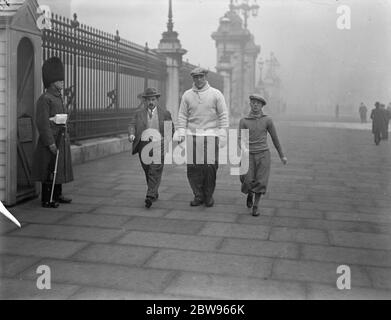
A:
[320,64]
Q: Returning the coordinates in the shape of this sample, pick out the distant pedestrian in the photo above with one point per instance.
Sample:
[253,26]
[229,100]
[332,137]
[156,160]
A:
[53,139]
[148,127]
[387,116]
[363,113]
[256,180]
[379,122]
[337,110]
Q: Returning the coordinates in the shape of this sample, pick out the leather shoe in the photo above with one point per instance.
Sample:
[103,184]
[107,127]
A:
[256,212]
[50,205]
[64,200]
[148,203]
[250,201]
[196,203]
[210,203]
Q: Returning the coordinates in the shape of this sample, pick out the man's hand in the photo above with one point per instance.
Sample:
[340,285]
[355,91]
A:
[131,138]
[53,148]
[284,161]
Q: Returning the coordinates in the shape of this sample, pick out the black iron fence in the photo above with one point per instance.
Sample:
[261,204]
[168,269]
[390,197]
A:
[104,76]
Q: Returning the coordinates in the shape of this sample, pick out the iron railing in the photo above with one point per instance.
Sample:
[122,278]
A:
[104,76]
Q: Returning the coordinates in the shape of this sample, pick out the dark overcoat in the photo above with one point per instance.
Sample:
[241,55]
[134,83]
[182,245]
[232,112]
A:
[379,120]
[49,104]
[140,124]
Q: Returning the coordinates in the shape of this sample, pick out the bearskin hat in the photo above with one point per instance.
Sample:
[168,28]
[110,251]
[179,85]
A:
[52,71]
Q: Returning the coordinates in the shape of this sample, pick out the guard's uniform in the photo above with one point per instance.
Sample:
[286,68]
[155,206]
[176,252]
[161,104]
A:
[48,106]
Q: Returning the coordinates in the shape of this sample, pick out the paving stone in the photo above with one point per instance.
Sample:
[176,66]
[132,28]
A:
[311,271]
[94,220]
[105,276]
[12,289]
[82,199]
[360,240]
[358,217]
[129,211]
[39,247]
[261,248]
[42,216]
[114,254]
[211,263]
[381,277]
[6,227]
[298,235]
[236,230]
[68,233]
[325,206]
[234,288]
[271,221]
[164,225]
[347,255]
[11,265]
[338,225]
[324,292]
[295,213]
[278,204]
[175,241]
[202,216]
[108,294]
[75,208]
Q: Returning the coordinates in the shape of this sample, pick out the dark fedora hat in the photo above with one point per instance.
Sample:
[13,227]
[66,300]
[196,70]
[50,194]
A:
[151,92]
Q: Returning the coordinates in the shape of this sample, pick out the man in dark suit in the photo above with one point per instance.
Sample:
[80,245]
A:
[146,130]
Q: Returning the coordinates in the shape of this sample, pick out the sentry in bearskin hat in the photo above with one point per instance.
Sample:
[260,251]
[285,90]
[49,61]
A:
[52,161]
[52,71]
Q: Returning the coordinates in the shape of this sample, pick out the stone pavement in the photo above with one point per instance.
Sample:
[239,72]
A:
[329,207]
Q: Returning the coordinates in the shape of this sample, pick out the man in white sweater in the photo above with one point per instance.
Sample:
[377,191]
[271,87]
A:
[203,119]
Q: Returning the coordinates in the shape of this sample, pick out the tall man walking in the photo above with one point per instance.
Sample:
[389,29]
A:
[148,127]
[203,119]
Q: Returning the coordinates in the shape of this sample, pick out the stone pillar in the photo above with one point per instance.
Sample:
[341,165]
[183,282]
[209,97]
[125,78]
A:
[172,86]
[236,56]
[170,47]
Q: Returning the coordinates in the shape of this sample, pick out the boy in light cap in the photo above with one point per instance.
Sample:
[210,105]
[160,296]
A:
[255,182]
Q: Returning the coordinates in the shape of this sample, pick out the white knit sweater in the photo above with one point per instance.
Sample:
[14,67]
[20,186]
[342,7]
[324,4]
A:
[202,112]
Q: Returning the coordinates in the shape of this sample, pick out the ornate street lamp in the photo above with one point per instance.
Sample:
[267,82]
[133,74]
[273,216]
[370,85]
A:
[245,8]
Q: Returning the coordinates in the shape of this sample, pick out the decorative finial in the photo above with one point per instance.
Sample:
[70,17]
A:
[170,24]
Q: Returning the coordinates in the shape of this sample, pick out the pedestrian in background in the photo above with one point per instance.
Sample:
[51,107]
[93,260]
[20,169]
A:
[148,127]
[256,180]
[203,119]
[379,121]
[53,137]
[363,113]
[387,117]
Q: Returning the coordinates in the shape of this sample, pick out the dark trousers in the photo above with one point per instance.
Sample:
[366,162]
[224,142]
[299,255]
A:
[202,174]
[153,176]
[377,135]
[385,131]
[47,191]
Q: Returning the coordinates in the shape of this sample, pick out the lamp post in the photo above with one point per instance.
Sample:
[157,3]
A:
[245,8]
[146,51]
